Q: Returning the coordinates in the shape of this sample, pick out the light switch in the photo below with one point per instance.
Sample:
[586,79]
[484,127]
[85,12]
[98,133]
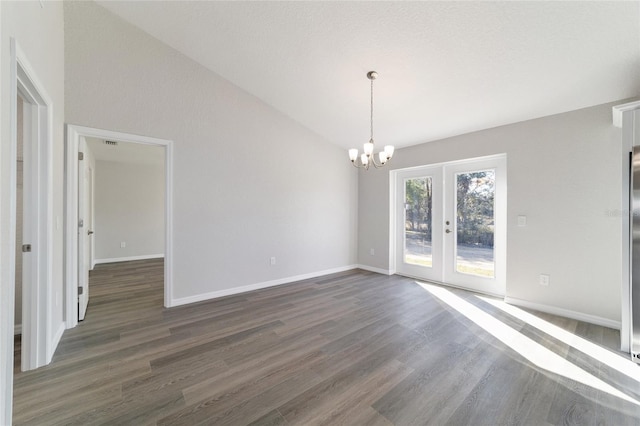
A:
[522,221]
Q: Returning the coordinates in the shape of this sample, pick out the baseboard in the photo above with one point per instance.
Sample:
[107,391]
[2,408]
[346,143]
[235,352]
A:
[129,258]
[257,286]
[55,341]
[554,310]
[17,329]
[376,270]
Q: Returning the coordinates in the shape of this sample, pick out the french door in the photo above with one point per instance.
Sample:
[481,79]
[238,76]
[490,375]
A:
[451,223]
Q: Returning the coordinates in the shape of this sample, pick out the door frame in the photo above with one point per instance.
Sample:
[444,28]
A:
[74,132]
[501,237]
[627,118]
[38,341]
[436,173]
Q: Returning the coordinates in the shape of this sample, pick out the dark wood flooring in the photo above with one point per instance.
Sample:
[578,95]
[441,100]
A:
[354,348]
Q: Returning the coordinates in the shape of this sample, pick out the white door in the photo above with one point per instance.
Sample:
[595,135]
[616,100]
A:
[84,233]
[451,223]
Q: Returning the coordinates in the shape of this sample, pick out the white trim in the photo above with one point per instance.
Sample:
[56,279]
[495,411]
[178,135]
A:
[554,310]
[56,340]
[624,117]
[7,260]
[619,110]
[38,298]
[71,210]
[376,270]
[129,258]
[257,286]
[17,329]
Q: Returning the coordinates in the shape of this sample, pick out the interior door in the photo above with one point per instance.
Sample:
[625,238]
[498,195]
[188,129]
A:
[451,223]
[84,232]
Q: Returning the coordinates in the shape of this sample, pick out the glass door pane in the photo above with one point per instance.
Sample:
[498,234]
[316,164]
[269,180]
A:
[475,223]
[418,221]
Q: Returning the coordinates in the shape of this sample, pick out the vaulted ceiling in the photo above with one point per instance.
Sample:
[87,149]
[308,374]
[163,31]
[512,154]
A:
[445,68]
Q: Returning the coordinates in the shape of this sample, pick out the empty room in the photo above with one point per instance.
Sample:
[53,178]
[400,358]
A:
[319,213]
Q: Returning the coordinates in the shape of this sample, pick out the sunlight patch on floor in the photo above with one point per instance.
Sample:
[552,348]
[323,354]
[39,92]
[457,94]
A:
[617,362]
[526,347]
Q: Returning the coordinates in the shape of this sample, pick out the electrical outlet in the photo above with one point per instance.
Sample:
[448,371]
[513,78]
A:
[544,280]
[123,244]
[372,252]
[273,260]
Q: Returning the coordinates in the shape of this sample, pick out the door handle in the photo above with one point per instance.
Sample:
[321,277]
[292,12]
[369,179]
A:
[89,232]
[448,231]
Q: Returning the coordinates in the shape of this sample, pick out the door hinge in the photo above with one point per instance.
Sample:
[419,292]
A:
[80,290]
[26,248]
[80,155]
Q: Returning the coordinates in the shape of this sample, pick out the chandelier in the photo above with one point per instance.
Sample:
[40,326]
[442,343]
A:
[368,157]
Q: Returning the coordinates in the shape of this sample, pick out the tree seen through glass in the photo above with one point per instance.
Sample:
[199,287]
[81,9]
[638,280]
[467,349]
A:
[475,223]
[418,221]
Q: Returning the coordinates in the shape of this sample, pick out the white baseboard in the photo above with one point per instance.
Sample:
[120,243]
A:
[55,341]
[257,286]
[376,270]
[129,258]
[554,310]
[17,329]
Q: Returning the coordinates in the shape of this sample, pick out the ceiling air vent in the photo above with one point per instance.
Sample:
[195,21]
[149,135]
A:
[112,143]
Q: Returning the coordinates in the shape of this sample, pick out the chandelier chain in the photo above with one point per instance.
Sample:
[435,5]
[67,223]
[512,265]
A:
[371,115]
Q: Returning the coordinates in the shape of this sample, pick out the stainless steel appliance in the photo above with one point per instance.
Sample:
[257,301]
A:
[635,254]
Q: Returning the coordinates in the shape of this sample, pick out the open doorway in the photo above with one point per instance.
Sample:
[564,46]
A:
[105,218]
[121,192]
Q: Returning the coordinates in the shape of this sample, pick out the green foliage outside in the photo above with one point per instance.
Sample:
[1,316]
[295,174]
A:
[475,221]
[475,202]
[418,207]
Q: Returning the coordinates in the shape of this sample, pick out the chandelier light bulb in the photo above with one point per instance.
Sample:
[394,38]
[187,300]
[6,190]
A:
[368,148]
[383,157]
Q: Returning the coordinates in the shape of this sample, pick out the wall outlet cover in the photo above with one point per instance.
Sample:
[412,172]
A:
[544,280]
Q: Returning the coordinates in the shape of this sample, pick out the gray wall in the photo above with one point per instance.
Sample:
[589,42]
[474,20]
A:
[250,183]
[39,32]
[564,174]
[129,207]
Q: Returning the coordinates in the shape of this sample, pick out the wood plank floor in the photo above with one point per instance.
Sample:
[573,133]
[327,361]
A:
[354,348]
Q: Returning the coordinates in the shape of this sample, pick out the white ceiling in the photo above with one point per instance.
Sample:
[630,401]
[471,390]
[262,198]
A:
[445,68]
[126,152]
